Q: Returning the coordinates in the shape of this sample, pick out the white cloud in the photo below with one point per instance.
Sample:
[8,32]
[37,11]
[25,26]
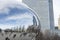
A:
[11,26]
[19,16]
[4,4]
[19,0]
[6,26]
[4,10]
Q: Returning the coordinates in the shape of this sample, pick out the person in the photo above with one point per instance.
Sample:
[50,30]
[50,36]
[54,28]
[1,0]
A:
[14,35]
[7,38]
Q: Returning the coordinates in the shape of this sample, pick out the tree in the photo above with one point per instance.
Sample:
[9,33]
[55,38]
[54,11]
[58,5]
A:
[50,35]
[23,29]
[20,29]
[31,29]
[39,36]
[36,30]
[56,37]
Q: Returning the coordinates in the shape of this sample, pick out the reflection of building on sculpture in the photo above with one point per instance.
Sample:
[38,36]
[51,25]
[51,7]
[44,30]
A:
[44,11]
[34,21]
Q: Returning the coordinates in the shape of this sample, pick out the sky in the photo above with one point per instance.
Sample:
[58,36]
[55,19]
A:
[56,9]
[13,14]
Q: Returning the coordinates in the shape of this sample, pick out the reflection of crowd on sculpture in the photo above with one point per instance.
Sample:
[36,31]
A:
[32,33]
[16,36]
[9,34]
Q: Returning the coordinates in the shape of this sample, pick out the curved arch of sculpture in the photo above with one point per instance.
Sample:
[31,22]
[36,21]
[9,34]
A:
[35,14]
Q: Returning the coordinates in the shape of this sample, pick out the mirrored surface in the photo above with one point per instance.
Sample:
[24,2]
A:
[17,21]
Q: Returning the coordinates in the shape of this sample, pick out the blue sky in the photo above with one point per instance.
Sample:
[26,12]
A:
[13,14]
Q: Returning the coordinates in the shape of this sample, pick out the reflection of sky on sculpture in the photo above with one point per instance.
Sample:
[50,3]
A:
[15,15]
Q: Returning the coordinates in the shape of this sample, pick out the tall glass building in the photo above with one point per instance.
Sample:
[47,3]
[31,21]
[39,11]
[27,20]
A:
[34,21]
[44,11]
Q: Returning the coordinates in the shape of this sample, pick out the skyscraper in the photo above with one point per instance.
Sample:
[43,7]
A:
[34,21]
[44,11]
[59,23]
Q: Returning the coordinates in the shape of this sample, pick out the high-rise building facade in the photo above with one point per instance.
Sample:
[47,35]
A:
[34,21]
[44,11]
[59,23]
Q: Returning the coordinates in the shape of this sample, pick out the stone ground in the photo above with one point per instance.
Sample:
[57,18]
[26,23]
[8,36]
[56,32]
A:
[17,36]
